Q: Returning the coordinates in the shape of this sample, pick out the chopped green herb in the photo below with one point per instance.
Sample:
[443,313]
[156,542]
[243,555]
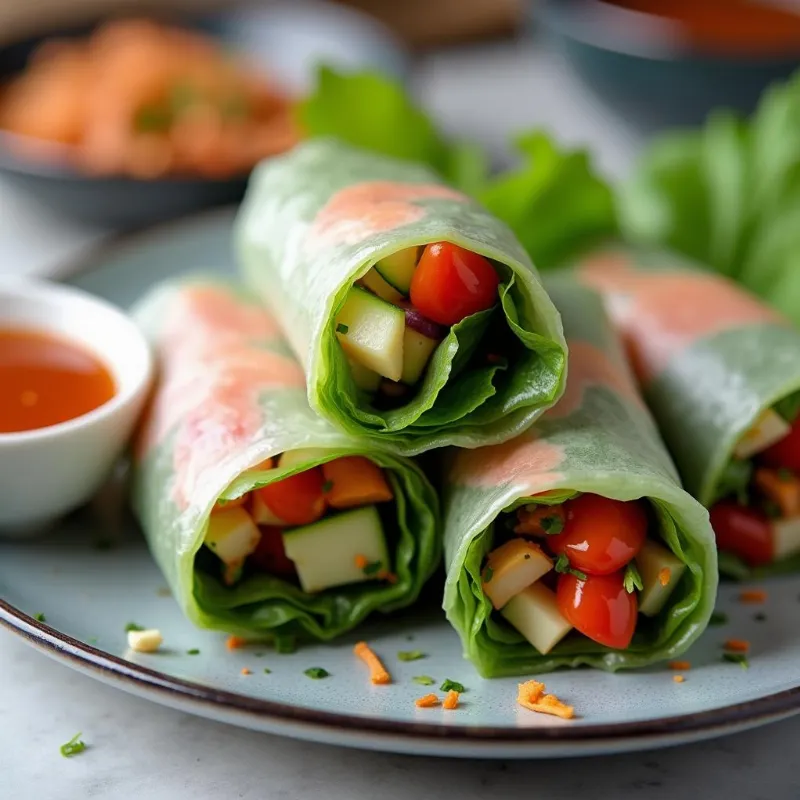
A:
[92,640]
[452,686]
[193,652]
[423,680]
[760,617]
[410,655]
[410,638]
[527,556]
[563,566]
[737,658]
[488,574]
[552,526]
[372,569]
[632,580]
[182,96]
[39,617]
[73,746]
[132,626]
[342,328]
[285,644]
[258,655]
[316,673]
[267,671]
[327,486]
[718,618]
[785,474]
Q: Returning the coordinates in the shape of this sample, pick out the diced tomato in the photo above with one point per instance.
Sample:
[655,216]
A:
[298,499]
[450,283]
[599,607]
[744,532]
[786,452]
[269,556]
[600,535]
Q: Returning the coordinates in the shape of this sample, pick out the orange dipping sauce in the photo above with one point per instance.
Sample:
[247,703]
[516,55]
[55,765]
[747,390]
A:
[45,379]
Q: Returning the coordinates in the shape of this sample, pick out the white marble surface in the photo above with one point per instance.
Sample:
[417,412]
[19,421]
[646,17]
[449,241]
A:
[137,749]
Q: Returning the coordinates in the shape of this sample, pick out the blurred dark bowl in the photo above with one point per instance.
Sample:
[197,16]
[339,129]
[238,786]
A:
[287,38]
[638,65]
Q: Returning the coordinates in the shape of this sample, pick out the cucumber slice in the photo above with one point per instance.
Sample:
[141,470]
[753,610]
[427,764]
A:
[232,535]
[651,560]
[325,553]
[417,351]
[377,285]
[534,613]
[370,331]
[398,268]
[364,378]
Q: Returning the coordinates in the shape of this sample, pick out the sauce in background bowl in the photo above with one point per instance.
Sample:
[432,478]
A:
[47,379]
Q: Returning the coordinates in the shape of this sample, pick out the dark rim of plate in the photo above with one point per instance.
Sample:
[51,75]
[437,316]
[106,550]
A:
[173,691]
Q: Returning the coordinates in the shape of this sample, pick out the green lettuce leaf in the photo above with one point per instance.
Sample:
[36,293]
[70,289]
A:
[728,196]
[554,202]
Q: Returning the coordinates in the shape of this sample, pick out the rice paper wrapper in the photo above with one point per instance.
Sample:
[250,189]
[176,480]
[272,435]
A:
[710,358]
[317,219]
[599,438]
[230,396]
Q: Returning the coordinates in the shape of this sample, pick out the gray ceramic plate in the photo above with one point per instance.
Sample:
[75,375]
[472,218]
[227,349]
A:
[88,594]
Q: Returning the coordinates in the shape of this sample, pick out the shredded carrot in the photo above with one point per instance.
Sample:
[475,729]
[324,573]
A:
[664,575]
[678,678]
[531,696]
[377,672]
[385,575]
[680,665]
[737,645]
[780,487]
[361,561]
[451,700]
[235,642]
[429,701]
[246,671]
[753,596]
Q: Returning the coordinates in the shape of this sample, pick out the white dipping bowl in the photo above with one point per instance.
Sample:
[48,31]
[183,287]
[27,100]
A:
[47,472]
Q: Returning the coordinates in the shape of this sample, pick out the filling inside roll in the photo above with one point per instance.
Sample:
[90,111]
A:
[326,526]
[577,564]
[395,317]
[756,513]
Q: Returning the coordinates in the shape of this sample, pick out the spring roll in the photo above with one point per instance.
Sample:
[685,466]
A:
[417,316]
[721,373]
[266,521]
[574,544]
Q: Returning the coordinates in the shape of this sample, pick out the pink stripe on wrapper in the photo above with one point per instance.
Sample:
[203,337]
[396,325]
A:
[660,313]
[358,212]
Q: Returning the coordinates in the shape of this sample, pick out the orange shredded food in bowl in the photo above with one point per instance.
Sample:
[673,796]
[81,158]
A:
[146,100]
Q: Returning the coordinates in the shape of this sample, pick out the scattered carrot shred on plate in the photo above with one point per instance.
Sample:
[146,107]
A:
[680,665]
[385,575]
[531,696]
[737,645]
[246,671]
[678,678]
[753,596]
[361,561]
[664,575]
[428,701]
[451,700]
[377,672]
[235,642]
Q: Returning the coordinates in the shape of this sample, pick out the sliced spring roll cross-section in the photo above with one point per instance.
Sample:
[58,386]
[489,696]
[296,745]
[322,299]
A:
[574,543]
[721,373]
[417,316]
[266,521]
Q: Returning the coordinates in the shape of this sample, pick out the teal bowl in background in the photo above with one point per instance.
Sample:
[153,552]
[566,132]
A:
[638,65]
